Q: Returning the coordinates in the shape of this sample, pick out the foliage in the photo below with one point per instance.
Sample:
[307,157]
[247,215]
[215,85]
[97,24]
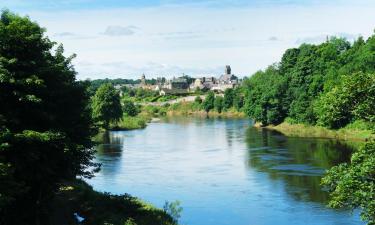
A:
[330,84]
[352,99]
[219,104]
[131,123]
[264,100]
[95,84]
[228,98]
[353,185]
[173,209]
[238,100]
[208,103]
[129,108]
[45,121]
[106,105]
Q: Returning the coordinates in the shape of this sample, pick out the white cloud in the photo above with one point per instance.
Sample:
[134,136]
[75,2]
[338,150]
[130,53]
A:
[120,30]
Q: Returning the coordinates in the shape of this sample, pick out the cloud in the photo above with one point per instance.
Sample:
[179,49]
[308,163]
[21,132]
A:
[64,34]
[120,30]
[273,38]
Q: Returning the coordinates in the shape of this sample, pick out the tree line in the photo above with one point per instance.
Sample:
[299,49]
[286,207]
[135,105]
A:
[330,84]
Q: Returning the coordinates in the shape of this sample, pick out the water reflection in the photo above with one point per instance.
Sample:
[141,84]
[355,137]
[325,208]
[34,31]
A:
[109,153]
[299,162]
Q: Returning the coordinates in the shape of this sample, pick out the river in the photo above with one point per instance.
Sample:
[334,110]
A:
[224,171]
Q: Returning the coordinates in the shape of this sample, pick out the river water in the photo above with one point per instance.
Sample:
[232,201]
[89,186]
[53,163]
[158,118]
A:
[224,171]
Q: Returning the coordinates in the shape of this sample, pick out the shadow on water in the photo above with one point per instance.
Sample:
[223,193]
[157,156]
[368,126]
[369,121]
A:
[109,152]
[299,162]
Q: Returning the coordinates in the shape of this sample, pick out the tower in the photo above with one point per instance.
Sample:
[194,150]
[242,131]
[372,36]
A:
[143,80]
[228,70]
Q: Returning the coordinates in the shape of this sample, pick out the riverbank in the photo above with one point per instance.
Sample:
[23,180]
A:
[132,122]
[195,109]
[302,130]
[97,208]
[148,112]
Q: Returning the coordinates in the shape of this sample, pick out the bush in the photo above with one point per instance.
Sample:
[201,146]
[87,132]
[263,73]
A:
[129,108]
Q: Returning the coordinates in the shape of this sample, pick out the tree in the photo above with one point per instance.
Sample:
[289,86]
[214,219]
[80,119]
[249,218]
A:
[228,98]
[129,108]
[352,185]
[219,104]
[45,121]
[106,105]
[238,100]
[208,103]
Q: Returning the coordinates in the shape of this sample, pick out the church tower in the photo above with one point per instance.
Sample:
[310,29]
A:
[143,80]
[228,70]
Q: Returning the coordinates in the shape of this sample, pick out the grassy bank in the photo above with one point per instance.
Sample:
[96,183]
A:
[132,122]
[102,208]
[302,130]
[193,108]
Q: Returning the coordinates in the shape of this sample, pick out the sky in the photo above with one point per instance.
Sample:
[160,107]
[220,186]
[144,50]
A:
[124,39]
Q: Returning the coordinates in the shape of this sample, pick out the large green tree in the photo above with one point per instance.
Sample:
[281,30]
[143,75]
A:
[45,121]
[129,108]
[228,98]
[219,104]
[209,101]
[106,105]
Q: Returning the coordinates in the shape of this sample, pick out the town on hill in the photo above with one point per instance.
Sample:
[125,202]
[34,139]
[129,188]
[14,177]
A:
[185,84]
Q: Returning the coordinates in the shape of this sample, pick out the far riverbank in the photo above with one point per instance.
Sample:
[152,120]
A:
[302,130]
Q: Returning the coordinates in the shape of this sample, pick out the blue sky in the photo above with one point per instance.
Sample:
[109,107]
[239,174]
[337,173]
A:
[167,38]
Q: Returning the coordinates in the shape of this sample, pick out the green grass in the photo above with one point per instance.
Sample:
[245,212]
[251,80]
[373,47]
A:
[194,108]
[132,122]
[356,131]
[103,208]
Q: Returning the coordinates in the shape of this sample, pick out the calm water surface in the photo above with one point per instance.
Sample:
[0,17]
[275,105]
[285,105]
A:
[224,172]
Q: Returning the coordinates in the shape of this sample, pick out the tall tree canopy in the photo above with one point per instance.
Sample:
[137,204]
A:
[304,85]
[209,102]
[106,105]
[45,121]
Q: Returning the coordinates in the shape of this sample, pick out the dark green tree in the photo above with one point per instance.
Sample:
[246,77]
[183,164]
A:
[106,105]
[219,104]
[208,103]
[228,98]
[129,108]
[45,121]
[238,100]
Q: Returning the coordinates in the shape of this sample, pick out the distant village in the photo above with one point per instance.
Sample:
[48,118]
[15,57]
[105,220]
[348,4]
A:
[186,84]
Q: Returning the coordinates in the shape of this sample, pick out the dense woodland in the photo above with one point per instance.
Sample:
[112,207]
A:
[331,84]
